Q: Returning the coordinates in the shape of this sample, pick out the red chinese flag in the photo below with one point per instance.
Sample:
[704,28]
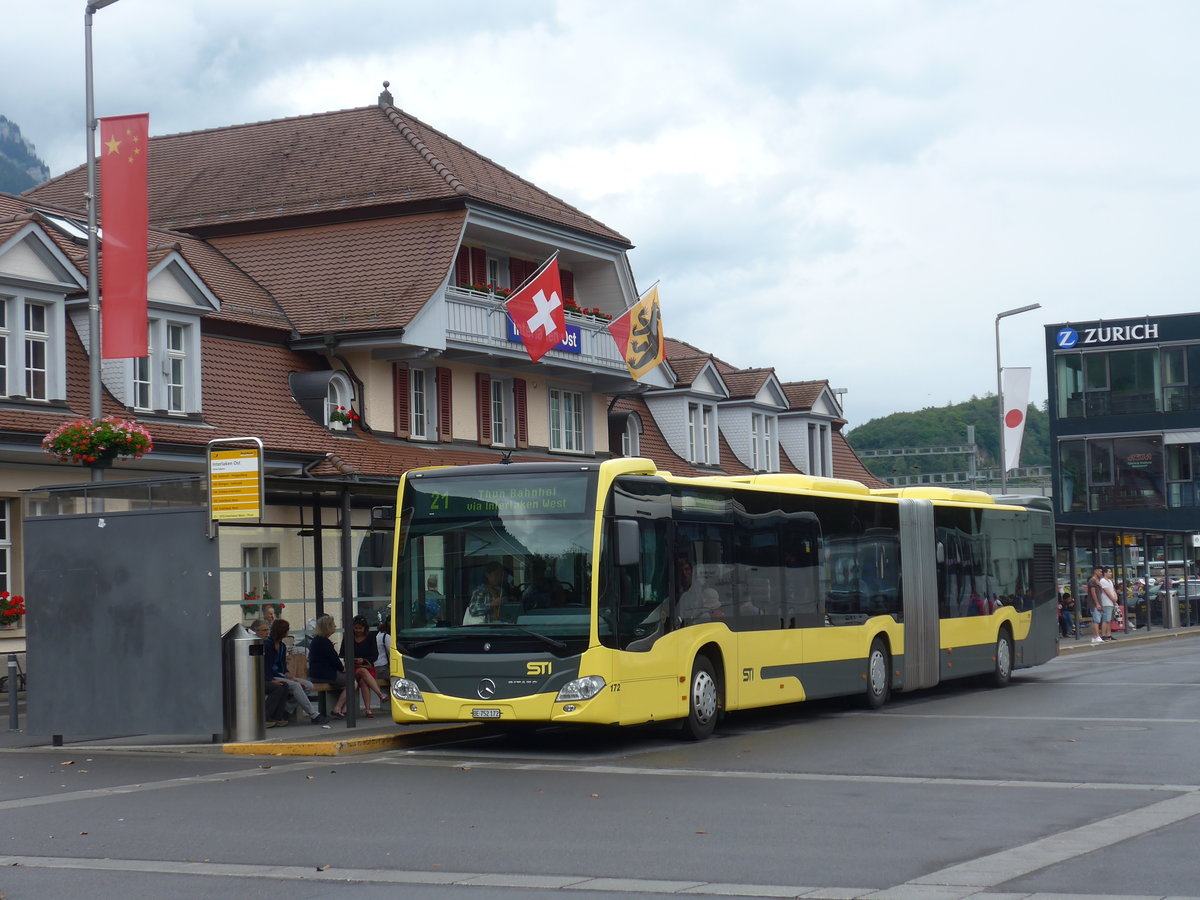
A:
[124,222]
[537,312]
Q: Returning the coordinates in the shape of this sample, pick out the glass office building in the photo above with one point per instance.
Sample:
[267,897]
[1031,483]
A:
[1124,400]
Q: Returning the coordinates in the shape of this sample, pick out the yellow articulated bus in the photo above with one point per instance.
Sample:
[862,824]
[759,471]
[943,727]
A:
[614,593]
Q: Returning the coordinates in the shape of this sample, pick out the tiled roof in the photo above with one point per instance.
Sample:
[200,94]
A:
[744,383]
[802,395]
[321,165]
[846,463]
[241,298]
[356,276]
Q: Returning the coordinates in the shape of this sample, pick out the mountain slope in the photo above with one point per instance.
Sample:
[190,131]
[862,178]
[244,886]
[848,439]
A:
[947,426]
[20,166]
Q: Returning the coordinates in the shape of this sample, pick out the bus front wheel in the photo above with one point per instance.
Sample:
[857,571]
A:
[704,701]
[879,670]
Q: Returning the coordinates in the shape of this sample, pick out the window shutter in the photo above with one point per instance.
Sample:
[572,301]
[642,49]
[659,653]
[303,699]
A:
[516,272]
[568,284]
[462,268]
[483,407]
[478,265]
[400,400]
[520,413]
[445,412]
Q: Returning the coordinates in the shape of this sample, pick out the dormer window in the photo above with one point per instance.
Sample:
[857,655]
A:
[702,433]
[764,451]
[168,378]
[31,358]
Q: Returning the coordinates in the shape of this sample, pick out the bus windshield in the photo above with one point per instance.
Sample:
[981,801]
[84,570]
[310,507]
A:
[506,557]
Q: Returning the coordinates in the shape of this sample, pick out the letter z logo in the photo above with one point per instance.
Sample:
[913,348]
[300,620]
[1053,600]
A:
[537,668]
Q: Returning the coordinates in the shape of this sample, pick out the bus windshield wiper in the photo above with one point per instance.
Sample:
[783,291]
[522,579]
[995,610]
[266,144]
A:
[556,644]
[421,645]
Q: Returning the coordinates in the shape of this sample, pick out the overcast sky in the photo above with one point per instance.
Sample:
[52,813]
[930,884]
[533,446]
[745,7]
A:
[845,190]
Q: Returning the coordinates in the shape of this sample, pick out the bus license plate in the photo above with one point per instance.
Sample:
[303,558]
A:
[485,714]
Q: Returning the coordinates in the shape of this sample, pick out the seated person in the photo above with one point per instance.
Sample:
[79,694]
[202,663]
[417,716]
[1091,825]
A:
[383,640]
[275,689]
[324,665]
[275,654]
[543,590]
[366,651]
[484,605]
[434,600]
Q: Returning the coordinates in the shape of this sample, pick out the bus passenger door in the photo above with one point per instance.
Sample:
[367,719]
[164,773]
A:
[641,615]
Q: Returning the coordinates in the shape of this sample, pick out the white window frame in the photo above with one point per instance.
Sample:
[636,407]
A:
[500,396]
[418,404]
[631,437]
[6,544]
[15,370]
[701,427]
[167,379]
[764,445]
[567,411]
[259,561]
[339,393]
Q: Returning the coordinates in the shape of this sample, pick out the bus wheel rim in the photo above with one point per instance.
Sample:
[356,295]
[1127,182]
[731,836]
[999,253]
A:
[1004,657]
[878,673]
[704,696]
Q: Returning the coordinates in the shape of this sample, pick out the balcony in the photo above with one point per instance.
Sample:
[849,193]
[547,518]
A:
[477,321]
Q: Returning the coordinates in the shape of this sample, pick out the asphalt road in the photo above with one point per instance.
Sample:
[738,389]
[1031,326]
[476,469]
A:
[1079,779]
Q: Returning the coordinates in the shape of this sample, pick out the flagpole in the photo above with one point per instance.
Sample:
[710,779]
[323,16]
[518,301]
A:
[536,272]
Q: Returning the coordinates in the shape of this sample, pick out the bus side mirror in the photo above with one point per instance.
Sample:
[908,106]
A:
[628,540]
[941,552]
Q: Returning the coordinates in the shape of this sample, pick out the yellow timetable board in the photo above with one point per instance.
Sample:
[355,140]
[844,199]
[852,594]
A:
[235,483]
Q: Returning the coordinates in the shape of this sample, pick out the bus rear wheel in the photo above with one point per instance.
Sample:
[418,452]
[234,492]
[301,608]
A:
[704,701]
[879,669]
[1004,659]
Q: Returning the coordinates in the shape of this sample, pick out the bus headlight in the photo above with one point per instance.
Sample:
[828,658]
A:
[580,689]
[403,689]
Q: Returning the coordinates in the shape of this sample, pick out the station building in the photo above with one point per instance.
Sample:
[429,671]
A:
[353,261]
[1124,403]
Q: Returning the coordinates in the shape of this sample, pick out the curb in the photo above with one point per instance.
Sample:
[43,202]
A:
[1087,646]
[367,743]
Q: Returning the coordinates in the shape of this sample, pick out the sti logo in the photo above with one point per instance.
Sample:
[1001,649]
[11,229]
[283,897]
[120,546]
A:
[537,668]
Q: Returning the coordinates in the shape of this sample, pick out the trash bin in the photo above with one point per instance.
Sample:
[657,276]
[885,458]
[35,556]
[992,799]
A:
[242,677]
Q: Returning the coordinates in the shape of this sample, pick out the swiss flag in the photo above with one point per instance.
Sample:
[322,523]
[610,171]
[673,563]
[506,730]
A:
[537,312]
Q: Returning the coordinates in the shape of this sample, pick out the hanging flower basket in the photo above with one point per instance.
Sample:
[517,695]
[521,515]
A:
[97,442]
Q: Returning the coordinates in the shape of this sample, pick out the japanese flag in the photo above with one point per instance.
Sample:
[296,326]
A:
[537,312]
[1016,400]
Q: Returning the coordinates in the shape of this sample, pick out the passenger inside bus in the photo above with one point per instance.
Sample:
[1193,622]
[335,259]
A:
[484,605]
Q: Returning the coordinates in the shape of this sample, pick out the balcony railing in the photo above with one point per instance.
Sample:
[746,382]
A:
[477,320]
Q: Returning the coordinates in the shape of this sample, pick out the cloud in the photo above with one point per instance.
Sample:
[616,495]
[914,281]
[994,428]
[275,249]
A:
[842,191]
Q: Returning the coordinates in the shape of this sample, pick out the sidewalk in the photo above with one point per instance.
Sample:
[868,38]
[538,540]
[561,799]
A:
[335,739]
[1142,635]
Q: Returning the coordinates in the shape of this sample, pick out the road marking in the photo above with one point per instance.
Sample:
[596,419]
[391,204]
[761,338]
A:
[910,891]
[889,714]
[998,868]
[191,780]
[591,769]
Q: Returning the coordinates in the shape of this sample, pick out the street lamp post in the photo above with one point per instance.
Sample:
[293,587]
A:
[1000,390]
[93,267]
